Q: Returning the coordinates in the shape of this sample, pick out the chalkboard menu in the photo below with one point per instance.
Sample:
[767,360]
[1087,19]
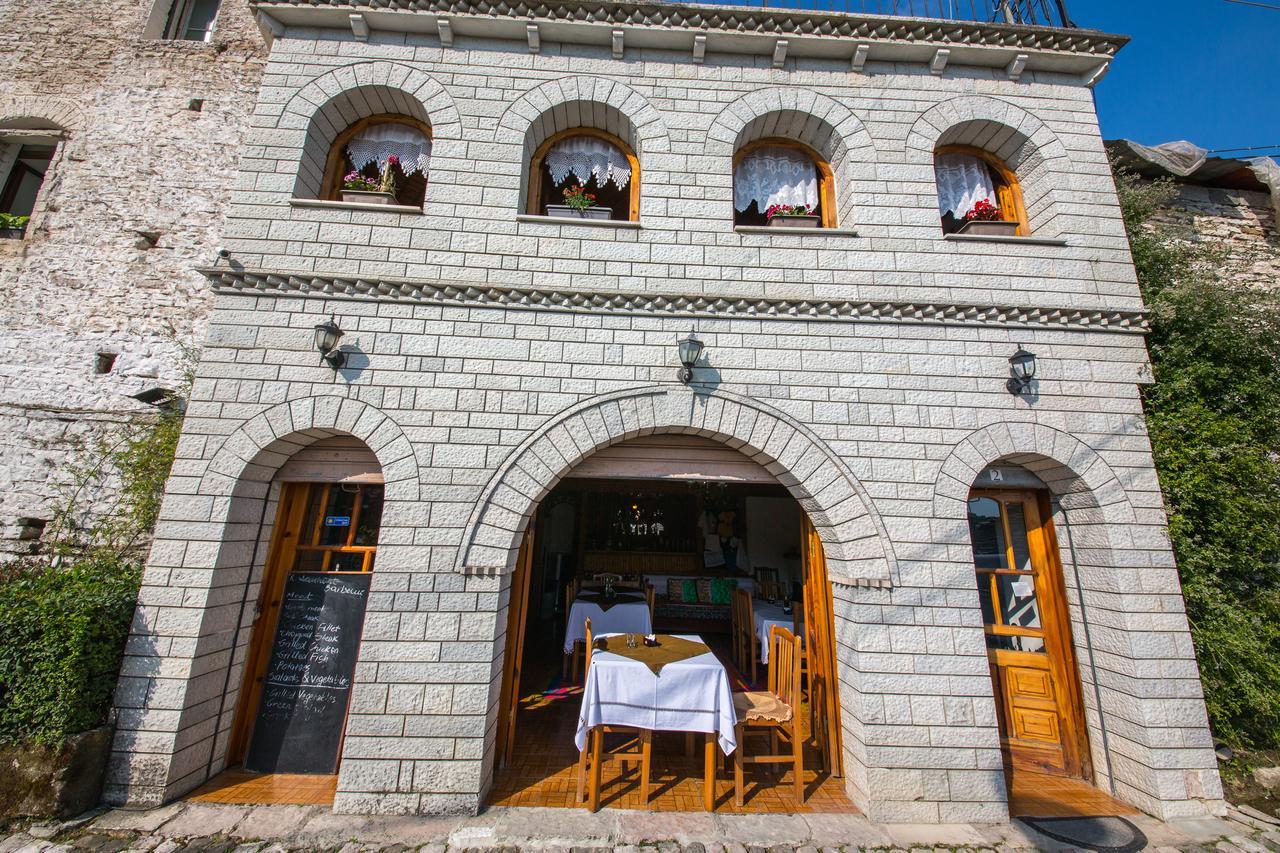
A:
[308,682]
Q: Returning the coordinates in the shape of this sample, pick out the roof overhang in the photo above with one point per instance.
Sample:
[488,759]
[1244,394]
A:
[856,39]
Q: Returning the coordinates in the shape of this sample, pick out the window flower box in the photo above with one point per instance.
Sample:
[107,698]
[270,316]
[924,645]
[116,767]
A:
[12,233]
[368,197]
[989,228]
[783,220]
[564,210]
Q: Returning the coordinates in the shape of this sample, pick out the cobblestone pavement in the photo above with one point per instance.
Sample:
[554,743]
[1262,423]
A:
[205,828]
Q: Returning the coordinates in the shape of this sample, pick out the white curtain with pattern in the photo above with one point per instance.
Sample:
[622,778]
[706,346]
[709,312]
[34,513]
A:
[963,181]
[587,157]
[378,143]
[773,175]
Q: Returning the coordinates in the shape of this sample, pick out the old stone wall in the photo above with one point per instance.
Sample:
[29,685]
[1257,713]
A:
[134,200]
[1243,222]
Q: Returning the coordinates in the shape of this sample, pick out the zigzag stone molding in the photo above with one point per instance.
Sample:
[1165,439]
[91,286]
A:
[609,302]
[743,20]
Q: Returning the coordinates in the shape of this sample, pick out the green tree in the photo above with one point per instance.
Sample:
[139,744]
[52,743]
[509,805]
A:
[1214,420]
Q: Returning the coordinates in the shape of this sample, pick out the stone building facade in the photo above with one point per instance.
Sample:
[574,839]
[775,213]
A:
[144,132]
[489,350]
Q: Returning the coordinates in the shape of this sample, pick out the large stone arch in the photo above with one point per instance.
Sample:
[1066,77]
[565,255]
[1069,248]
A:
[178,689]
[330,103]
[857,546]
[651,135]
[822,123]
[1027,145]
[32,112]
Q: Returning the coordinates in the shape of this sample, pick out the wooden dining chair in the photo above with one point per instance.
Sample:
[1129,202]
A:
[572,658]
[767,583]
[637,748]
[772,712]
[748,642]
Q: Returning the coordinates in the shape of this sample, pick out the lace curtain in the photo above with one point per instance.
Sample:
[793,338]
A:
[963,181]
[377,143]
[586,157]
[775,175]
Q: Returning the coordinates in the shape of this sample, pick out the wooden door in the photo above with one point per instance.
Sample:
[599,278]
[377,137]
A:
[1024,613]
[820,647]
[513,656]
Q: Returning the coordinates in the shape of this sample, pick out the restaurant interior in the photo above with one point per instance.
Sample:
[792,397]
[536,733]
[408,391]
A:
[705,568]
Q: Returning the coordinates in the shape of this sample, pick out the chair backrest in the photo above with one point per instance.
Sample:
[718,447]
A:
[767,583]
[784,665]
[746,615]
[590,647]
[649,596]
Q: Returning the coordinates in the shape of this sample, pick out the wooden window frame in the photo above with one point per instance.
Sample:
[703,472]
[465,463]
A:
[1009,190]
[533,203]
[332,182]
[826,178]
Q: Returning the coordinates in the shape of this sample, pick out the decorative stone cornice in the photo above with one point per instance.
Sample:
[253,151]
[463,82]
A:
[652,304]
[744,20]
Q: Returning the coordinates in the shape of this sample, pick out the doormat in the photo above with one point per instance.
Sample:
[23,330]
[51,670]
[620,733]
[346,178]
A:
[1104,834]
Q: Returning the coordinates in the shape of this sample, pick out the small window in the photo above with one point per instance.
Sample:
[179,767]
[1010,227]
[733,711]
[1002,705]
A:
[22,186]
[976,187]
[587,174]
[191,20]
[381,160]
[778,182]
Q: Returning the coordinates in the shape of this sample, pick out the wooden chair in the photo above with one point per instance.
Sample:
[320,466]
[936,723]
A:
[637,749]
[572,659]
[748,643]
[775,711]
[767,583]
[650,598]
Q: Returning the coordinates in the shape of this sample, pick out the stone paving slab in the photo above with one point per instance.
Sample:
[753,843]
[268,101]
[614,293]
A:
[212,828]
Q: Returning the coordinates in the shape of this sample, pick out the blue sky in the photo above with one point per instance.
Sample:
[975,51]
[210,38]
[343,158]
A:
[1203,70]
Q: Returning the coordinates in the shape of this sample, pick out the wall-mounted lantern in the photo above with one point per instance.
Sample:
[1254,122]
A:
[327,336]
[1022,369]
[690,351]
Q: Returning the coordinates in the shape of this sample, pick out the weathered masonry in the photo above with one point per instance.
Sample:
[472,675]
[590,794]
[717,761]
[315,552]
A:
[1002,594]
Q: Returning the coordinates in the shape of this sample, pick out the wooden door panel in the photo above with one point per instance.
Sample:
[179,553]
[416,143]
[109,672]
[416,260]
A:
[1030,684]
[1036,724]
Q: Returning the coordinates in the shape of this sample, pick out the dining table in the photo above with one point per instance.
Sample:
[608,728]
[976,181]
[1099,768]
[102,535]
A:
[766,616]
[677,685]
[624,612]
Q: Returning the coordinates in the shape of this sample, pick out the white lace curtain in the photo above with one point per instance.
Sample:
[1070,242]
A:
[775,175]
[963,181]
[378,143]
[586,157]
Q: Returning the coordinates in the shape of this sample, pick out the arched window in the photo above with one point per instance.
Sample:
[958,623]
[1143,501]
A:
[585,173]
[380,160]
[780,182]
[974,187]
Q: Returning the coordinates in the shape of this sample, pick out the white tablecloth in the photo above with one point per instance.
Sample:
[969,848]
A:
[689,696]
[625,617]
[766,616]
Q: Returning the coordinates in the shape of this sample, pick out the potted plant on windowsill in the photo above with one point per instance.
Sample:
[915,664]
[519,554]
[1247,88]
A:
[13,227]
[985,220]
[580,204]
[356,187]
[791,216]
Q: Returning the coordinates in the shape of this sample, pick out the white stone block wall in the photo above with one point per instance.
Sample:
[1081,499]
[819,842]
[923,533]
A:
[134,159]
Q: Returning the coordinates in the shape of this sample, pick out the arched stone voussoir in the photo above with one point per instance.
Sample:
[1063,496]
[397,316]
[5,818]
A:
[437,103]
[254,452]
[651,130]
[934,123]
[854,538]
[848,130]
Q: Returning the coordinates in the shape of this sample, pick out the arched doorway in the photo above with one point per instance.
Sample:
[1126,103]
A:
[1027,626]
[687,521]
[324,514]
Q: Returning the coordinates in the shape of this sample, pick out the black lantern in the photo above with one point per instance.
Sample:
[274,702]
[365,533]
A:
[327,336]
[690,351]
[1022,369]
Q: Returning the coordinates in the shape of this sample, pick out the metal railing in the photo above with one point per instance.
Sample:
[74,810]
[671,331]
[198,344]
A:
[1039,13]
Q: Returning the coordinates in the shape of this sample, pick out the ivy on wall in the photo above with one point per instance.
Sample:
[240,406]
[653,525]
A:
[1214,420]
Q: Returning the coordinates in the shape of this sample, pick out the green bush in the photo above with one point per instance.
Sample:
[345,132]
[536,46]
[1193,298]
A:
[62,635]
[1215,434]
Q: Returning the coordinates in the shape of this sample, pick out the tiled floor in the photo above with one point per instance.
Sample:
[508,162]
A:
[243,787]
[543,770]
[1041,795]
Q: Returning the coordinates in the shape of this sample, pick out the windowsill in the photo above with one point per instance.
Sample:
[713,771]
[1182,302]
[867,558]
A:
[566,220]
[328,204]
[794,232]
[988,238]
